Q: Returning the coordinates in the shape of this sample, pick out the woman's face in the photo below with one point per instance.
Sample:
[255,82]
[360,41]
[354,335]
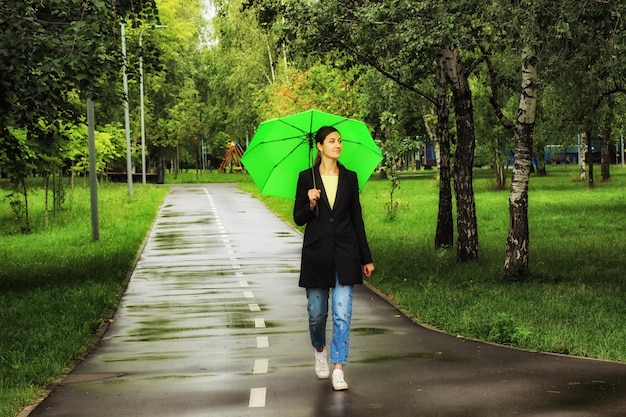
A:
[331,147]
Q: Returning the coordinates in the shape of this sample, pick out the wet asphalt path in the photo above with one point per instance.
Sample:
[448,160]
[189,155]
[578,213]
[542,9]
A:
[214,324]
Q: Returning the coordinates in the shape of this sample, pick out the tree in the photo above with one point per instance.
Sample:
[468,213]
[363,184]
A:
[239,67]
[517,243]
[48,51]
[524,21]
[393,147]
[536,24]
[402,41]
[467,229]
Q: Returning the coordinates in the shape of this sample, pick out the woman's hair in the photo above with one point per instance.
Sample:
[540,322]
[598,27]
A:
[320,135]
[324,131]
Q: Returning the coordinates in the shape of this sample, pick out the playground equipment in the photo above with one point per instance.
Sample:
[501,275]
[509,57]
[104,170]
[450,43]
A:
[232,158]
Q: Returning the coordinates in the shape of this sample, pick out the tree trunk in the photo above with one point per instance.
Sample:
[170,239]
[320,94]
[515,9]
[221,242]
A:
[444,237]
[517,243]
[26,225]
[177,162]
[590,178]
[271,80]
[467,228]
[197,161]
[606,155]
[500,176]
[582,155]
[541,162]
[498,164]
[46,209]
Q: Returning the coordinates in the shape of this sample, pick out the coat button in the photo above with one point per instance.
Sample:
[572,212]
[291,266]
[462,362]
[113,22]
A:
[331,220]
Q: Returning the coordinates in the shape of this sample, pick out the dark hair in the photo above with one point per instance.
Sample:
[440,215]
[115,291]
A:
[320,135]
[324,131]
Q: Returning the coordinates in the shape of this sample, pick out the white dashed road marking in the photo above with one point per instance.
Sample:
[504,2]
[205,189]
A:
[261,366]
[257,397]
[262,342]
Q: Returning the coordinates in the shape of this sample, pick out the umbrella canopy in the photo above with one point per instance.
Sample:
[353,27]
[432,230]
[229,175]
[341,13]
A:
[283,147]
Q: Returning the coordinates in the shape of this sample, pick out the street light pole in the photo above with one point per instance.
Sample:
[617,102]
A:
[129,173]
[143,131]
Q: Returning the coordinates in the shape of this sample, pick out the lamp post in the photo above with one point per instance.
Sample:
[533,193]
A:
[129,173]
[143,131]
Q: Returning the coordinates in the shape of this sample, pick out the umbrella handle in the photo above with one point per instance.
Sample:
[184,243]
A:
[317,207]
[310,154]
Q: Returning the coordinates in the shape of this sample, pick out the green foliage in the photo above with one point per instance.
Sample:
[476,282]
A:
[501,329]
[393,147]
[321,87]
[52,149]
[17,204]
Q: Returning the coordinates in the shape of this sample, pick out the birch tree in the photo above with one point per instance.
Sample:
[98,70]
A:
[518,239]
[522,19]
[467,228]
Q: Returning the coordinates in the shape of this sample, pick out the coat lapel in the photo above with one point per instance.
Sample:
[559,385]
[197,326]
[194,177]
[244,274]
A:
[341,186]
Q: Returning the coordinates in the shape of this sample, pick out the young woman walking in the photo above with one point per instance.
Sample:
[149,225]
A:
[335,252]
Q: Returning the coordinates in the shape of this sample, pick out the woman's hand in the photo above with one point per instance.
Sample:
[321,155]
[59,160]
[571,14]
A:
[314,195]
[368,269]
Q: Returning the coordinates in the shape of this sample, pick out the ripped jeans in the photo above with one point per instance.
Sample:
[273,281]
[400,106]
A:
[317,307]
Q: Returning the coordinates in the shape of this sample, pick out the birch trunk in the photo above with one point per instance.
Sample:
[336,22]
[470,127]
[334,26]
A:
[517,243]
[444,237]
[467,228]
[582,151]
[269,55]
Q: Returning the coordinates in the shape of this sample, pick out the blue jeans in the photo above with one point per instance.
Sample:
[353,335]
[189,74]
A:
[317,308]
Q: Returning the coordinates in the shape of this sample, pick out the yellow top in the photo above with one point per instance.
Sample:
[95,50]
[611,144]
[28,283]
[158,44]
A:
[330,185]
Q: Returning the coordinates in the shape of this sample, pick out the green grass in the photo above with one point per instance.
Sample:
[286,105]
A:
[57,285]
[573,303]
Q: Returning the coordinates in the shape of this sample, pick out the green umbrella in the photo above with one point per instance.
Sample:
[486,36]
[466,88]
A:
[283,147]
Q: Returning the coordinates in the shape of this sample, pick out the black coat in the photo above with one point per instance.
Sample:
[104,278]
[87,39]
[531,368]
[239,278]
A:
[334,240]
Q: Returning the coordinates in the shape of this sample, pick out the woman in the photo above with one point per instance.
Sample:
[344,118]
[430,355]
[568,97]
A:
[335,252]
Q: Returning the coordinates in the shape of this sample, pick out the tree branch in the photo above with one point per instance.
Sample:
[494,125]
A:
[493,98]
[367,60]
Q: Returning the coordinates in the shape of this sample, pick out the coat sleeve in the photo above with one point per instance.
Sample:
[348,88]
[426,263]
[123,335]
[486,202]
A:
[302,212]
[359,226]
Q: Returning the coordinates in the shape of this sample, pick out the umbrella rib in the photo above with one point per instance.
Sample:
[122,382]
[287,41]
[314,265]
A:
[282,139]
[278,163]
[293,126]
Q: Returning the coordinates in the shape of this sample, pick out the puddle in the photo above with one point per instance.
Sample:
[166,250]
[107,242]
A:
[370,331]
[146,358]
[283,234]
[401,357]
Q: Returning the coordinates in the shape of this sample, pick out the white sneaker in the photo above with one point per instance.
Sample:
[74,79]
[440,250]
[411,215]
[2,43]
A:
[339,384]
[321,365]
